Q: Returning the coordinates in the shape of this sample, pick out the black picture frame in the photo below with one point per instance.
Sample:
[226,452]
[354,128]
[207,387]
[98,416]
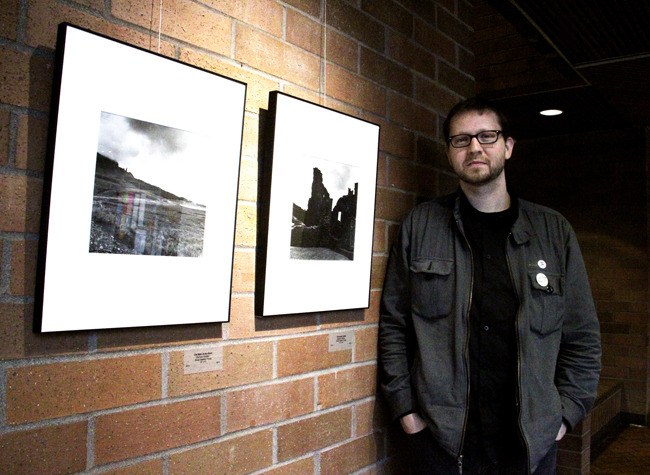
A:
[141,189]
[318,190]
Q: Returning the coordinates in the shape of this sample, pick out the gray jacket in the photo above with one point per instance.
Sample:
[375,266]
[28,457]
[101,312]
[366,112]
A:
[423,328]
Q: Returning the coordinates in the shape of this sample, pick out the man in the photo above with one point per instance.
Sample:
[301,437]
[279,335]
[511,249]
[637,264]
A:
[488,337]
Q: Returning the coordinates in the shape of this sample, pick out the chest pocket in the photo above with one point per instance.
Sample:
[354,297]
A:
[547,296]
[432,286]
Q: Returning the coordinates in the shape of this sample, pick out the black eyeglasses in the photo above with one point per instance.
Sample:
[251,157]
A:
[484,137]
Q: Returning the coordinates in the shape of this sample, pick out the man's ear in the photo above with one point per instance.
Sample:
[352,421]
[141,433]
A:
[510,144]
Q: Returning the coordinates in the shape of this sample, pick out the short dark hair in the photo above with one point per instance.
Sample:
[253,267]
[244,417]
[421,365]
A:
[476,104]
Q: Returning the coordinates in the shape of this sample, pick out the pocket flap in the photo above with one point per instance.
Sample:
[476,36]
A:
[432,266]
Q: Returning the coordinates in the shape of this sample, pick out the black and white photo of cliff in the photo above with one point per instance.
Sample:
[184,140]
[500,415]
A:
[324,211]
[145,198]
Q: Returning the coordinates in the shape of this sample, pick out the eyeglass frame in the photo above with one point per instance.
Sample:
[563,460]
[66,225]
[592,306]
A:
[450,139]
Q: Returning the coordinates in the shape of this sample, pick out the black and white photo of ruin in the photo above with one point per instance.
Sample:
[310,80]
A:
[324,211]
[145,199]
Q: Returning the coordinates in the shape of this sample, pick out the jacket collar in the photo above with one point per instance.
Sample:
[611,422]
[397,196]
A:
[521,231]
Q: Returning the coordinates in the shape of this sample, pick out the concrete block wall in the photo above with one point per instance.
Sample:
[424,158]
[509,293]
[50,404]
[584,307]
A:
[117,401]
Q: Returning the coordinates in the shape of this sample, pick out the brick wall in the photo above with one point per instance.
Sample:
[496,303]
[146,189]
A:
[117,401]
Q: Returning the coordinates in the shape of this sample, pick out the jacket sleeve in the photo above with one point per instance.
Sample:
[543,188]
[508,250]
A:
[578,365]
[396,338]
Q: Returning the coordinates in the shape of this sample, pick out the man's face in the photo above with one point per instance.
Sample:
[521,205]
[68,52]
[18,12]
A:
[478,164]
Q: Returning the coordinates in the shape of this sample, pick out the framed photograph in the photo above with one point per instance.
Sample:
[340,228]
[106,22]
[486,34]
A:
[317,219]
[141,189]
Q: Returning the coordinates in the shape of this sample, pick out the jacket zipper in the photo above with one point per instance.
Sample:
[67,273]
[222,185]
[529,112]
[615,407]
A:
[469,306]
[518,401]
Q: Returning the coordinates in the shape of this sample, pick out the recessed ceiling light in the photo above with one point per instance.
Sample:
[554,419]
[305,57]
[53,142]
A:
[550,112]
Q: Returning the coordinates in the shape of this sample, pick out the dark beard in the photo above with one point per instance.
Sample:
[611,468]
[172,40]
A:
[482,179]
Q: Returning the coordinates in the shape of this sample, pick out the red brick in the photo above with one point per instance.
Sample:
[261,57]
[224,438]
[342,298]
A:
[129,434]
[246,228]
[412,115]
[304,436]
[340,319]
[62,389]
[23,265]
[257,358]
[371,314]
[250,148]
[11,330]
[240,455]
[308,353]
[270,403]
[341,50]
[150,467]
[17,337]
[242,317]
[144,337]
[263,14]
[402,174]
[466,62]
[5,120]
[405,51]
[248,173]
[187,21]
[360,92]
[424,9]
[379,237]
[31,146]
[386,72]
[378,271]
[392,205]
[431,94]
[20,203]
[270,55]
[301,467]
[304,32]
[391,14]
[369,418]
[52,449]
[347,385]
[26,79]
[243,276]
[455,80]
[366,344]
[354,455]
[311,7]
[9,15]
[396,140]
[243,323]
[43,19]
[94,4]
[454,28]
[432,40]
[355,23]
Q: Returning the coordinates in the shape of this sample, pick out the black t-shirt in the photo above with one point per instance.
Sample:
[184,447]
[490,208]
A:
[493,344]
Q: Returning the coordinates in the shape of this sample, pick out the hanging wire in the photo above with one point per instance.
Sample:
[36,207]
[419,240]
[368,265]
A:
[323,72]
[160,16]
[151,25]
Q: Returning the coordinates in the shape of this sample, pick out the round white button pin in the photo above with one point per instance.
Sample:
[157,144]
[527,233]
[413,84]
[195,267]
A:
[541,279]
[542,264]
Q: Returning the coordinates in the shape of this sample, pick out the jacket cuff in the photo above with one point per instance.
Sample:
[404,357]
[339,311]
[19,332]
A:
[401,404]
[572,413]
